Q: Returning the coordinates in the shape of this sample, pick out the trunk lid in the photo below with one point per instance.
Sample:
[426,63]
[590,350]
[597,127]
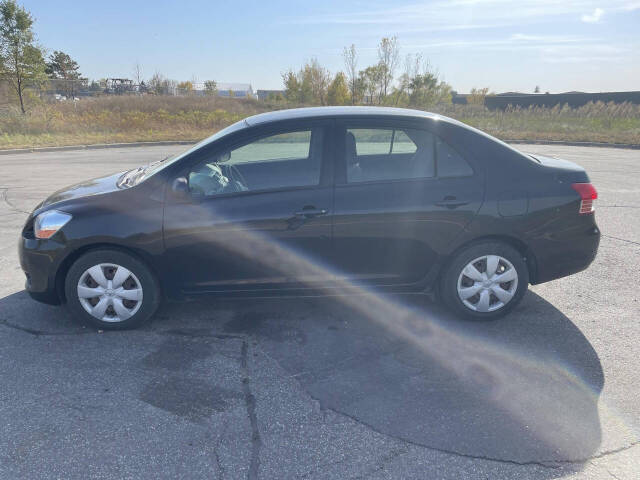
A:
[565,170]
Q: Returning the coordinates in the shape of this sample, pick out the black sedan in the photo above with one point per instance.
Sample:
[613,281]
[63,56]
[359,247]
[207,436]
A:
[317,200]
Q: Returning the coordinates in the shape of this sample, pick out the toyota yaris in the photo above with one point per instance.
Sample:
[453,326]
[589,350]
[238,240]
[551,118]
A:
[315,200]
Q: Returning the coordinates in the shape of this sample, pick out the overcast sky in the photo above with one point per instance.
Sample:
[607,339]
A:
[505,45]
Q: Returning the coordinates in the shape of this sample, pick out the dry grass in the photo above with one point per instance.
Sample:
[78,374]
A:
[121,119]
[149,118]
[594,122]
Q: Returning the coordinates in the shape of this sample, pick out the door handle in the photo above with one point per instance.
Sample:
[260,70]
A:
[310,212]
[451,202]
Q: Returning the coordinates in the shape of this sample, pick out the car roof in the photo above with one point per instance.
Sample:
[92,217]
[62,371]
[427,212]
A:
[365,111]
[324,112]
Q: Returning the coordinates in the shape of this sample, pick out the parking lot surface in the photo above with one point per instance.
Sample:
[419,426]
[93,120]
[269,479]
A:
[329,387]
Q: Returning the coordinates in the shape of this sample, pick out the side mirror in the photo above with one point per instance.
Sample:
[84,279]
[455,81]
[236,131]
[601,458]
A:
[180,186]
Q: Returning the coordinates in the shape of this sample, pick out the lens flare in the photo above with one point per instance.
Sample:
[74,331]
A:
[540,394]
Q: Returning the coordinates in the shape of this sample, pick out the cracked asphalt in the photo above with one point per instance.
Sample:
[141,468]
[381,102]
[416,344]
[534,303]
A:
[314,388]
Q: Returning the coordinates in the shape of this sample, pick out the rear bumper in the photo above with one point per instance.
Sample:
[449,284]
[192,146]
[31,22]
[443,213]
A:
[39,260]
[564,253]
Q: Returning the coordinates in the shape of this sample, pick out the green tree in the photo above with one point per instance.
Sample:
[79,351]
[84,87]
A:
[210,87]
[316,78]
[62,67]
[186,87]
[308,85]
[291,87]
[338,91]
[426,90]
[275,98]
[371,81]
[21,60]
[477,96]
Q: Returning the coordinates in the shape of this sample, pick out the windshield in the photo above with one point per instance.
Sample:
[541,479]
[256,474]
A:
[139,174]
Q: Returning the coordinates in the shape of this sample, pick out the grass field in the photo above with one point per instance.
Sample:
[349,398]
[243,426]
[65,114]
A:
[599,122]
[131,119]
[121,119]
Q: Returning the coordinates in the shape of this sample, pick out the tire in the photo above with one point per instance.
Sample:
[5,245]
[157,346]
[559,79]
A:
[127,292]
[459,281]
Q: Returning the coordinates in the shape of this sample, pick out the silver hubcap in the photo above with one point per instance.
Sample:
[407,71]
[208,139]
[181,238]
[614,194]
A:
[110,292]
[487,283]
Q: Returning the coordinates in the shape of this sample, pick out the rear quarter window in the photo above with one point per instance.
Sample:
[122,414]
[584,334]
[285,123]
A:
[450,162]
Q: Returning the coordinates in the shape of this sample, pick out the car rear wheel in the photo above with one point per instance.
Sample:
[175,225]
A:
[485,280]
[111,290]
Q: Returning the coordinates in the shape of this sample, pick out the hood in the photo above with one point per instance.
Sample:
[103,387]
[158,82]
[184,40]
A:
[96,186]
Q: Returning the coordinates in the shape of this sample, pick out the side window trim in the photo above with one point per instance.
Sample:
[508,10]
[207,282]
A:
[393,136]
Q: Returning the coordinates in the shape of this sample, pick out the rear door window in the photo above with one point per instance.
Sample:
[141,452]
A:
[374,154]
[371,141]
[387,153]
[401,143]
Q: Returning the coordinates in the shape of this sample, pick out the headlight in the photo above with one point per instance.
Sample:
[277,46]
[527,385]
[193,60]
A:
[48,223]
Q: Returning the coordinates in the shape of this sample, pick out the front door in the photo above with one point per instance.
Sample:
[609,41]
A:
[258,217]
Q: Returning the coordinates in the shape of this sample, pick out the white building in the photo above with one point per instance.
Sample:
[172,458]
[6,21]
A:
[239,90]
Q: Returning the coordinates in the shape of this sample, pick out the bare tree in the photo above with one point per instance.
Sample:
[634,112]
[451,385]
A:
[388,56]
[413,66]
[351,64]
[137,73]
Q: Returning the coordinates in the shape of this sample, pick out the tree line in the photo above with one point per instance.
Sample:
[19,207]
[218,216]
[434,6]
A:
[417,85]
[393,80]
[25,67]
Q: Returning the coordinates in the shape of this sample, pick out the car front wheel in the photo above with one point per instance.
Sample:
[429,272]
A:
[111,290]
[485,280]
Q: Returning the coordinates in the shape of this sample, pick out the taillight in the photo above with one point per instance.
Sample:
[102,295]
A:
[588,194]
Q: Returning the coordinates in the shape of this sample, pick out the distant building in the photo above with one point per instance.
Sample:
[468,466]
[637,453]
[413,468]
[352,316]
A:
[459,98]
[236,90]
[264,94]
[119,85]
[525,100]
[573,99]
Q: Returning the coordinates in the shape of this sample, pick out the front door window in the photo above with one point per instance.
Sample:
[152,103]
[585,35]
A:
[284,160]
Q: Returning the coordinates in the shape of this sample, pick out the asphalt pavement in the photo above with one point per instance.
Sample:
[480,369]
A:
[326,388]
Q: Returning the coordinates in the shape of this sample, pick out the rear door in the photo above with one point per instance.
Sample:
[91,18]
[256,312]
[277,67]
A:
[259,213]
[402,195]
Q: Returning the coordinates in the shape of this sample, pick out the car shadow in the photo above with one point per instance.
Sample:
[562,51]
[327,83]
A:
[521,389]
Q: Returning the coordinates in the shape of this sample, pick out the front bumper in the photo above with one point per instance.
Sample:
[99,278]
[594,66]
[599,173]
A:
[40,260]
